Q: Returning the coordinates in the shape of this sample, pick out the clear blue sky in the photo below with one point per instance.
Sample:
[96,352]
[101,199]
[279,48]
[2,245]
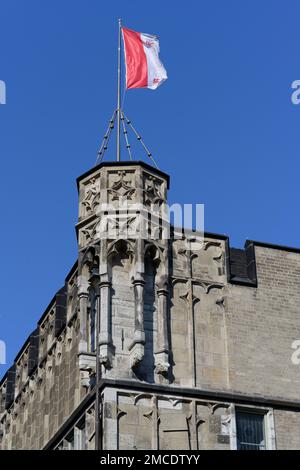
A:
[223,126]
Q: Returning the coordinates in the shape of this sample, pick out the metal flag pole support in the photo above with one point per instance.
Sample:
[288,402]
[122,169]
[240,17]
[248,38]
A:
[125,121]
[119,95]
[139,138]
[106,137]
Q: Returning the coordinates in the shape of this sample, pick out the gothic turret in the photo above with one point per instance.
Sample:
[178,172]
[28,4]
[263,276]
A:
[123,271]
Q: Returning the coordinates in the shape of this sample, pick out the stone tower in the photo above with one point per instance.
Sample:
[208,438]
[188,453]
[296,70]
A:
[123,264]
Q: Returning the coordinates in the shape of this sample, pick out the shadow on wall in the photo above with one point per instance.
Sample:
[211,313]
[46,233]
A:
[146,370]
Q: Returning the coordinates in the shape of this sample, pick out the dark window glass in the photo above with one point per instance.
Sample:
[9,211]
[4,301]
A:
[250,431]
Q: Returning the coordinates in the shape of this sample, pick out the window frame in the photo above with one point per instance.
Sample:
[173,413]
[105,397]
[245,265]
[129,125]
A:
[268,424]
[262,423]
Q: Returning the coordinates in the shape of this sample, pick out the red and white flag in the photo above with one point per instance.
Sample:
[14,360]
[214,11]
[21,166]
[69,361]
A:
[143,66]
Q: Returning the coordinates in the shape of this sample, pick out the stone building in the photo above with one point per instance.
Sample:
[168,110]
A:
[195,345]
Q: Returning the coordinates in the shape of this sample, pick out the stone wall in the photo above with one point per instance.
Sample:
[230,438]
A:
[287,425]
[134,420]
[262,324]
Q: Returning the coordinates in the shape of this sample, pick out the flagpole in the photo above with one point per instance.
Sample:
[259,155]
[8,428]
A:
[119,96]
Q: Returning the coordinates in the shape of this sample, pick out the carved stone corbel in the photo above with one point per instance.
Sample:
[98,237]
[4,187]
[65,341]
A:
[137,351]
[85,378]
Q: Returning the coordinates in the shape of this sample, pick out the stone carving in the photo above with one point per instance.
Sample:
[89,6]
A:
[122,228]
[213,407]
[208,286]
[156,250]
[225,424]
[219,256]
[92,197]
[205,262]
[72,297]
[189,254]
[120,413]
[161,367]
[136,354]
[57,351]
[69,336]
[189,297]
[220,303]
[210,243]
[104,359]
[124,247]
[152,191]
[87,366]
[149,415]
[141,396]
[91,232]
[178,280]
[88,259]
[122,188]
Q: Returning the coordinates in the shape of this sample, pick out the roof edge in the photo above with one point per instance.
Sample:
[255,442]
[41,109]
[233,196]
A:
[125,163]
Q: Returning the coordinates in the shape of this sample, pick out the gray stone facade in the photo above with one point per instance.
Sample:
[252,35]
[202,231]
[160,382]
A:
[188,338]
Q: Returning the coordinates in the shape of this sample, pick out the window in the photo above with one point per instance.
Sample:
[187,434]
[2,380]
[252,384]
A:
[250,430]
